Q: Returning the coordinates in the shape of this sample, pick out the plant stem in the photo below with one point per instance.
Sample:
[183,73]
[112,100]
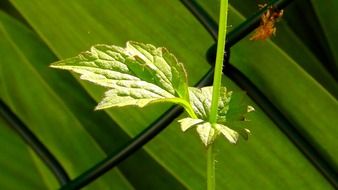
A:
[223,17]
[210,168]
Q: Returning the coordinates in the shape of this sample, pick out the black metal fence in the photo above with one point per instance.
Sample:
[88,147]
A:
[161,123]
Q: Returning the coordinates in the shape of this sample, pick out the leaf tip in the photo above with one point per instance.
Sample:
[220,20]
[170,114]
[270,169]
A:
[250,109]
[59,65]
[101,106]
[231,135]
[97,108]
[55,64]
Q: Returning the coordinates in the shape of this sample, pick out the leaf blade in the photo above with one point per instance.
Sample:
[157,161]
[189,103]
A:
[138,74]
[228,112]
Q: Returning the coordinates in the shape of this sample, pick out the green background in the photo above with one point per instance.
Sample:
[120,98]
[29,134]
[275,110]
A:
[296,70]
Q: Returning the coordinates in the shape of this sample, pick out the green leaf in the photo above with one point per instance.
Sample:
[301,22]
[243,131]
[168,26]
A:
[188,122]
[228,133]
[16,155]
[326,13]
[42,109]
[207,132]
[200,100]
[229,111]
[136,75]
[238,111]
[141,74]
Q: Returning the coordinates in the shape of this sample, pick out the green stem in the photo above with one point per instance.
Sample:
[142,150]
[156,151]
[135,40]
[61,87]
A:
[223,19]
[210,168]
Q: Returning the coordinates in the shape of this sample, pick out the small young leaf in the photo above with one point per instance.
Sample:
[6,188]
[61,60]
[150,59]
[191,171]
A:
[228,133]
[138,74]
[188,122]
[207,132]
[238,110]
[230,110]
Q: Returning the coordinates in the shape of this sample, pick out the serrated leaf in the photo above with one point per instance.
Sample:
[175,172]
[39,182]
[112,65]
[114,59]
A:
[207,132]
[224,105]
[200,99]
[230,110]
[165,68]
[136,75]
[238,111]
[228,133]
[188,122]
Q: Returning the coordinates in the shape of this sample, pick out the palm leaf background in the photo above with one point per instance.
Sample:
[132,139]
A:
[296,71]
